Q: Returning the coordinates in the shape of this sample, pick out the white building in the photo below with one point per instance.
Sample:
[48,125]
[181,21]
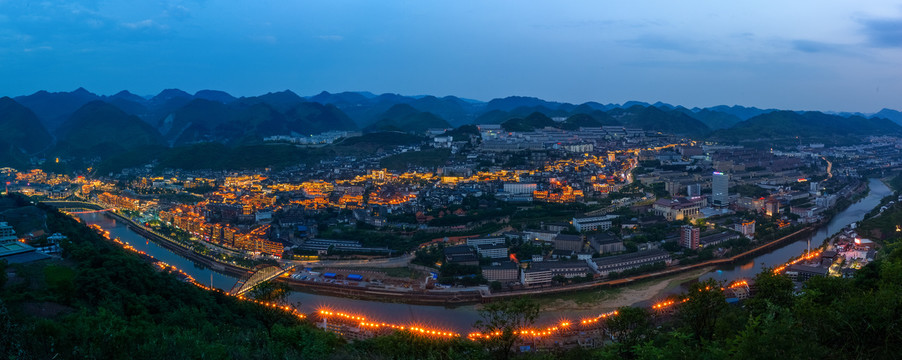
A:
[720,186]
[519,188]
[485,241]
[496,251]
[747,228]
[592,223]
[7,234]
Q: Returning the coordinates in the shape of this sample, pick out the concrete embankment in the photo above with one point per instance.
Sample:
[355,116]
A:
[446,298]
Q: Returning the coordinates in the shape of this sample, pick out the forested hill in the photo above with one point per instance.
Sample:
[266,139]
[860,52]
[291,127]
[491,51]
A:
[89,126]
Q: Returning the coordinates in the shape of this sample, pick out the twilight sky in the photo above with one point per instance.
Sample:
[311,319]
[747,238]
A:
[801,55]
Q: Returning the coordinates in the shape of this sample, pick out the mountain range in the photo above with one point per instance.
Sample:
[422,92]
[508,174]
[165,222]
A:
[86,124]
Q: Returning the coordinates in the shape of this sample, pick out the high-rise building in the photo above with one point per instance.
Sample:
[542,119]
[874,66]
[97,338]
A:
[689,236]
[694,190]
[720,185]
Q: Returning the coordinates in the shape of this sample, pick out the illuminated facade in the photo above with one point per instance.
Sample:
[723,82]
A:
[720,185]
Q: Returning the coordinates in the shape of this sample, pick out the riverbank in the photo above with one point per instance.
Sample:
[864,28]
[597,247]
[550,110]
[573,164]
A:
[452,298]
[182,250]
[606,300]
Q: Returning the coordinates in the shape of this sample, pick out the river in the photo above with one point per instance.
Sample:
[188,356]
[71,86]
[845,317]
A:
[854,213]
[461,319]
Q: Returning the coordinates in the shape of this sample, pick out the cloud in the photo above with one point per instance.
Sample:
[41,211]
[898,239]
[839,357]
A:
[177,11]
[143,24]
[660,42]
[883,32]
[331,37]
[39,48]
[810,46]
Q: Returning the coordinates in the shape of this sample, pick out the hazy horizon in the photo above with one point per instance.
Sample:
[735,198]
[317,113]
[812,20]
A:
[810,55]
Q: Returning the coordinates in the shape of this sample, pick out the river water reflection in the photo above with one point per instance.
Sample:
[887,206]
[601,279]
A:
[461,319]
[854,213]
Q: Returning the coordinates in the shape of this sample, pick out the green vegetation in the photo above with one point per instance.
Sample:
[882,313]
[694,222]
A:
[218,156]
[270,291]
[639,270]
[467,275]
[506,317]
[654,119]
[753,191]
[104,303]
[99,128]
[101,302]
[378,140]
[532,122]
[463,132]
[429,158]
[370,238]
[403,117]
[214,156]
[790,128]
[21,129]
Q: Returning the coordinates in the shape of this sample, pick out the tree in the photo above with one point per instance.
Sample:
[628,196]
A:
[495,285]
[629,328]
[774,335]
[702,306]
[502,320]
[3,275]
[9,334]
[270,291]
[774,289]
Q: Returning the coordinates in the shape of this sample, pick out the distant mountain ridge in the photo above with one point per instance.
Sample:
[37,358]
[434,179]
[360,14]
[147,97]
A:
[20,127]
[180,118]
[99,128]
[779,125]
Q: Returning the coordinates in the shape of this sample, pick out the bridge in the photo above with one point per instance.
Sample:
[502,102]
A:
[83,210]
[262,273]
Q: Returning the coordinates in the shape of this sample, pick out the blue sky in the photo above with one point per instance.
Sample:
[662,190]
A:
[803,55]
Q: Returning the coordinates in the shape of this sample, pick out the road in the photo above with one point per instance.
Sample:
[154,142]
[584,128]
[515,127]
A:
[393,262]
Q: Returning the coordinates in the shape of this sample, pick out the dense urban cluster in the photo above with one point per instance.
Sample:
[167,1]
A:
[504,211]
[504,214]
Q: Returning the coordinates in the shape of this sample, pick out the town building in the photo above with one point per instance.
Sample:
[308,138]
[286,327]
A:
[484,241]
[620,263]
[535,275]
[606,243]
[802,272]
[461,254]
[720,185]
[679,208]
[689,236]
[542,273]
[746,228]
[540,235]
[493,251]
[717,239]
[592,223]
[519,188]
[694,190]
[14,251]
[503,272]
[568,242]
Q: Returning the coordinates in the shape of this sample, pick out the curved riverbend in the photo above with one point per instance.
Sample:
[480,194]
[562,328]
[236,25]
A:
[854,213]
[461,318]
